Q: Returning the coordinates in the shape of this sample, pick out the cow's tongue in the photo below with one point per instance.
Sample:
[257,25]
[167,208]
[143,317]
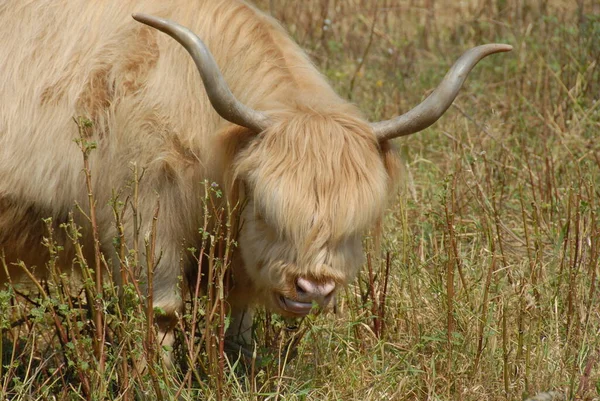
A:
[301,308]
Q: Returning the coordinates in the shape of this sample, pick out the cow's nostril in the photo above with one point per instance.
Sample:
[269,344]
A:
[328,288]
[316,289]
[300,290]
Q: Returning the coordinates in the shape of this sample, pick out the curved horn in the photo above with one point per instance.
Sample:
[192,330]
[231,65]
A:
[436,104]
[218,92]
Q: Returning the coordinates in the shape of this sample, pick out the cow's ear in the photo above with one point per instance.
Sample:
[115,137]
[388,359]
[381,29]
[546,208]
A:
[393,165]
[232,139]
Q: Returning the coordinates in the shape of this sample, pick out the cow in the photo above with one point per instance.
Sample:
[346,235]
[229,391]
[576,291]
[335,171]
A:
[247,111]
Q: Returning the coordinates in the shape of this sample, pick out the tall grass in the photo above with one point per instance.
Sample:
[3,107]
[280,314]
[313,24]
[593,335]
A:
[483,283]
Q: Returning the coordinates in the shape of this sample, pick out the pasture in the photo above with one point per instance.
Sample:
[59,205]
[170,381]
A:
[481,283]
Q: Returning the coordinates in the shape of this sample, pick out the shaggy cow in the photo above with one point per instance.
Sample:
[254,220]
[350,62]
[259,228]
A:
[312,173]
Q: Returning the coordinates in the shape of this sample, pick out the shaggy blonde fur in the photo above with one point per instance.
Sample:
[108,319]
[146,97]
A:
[314,182]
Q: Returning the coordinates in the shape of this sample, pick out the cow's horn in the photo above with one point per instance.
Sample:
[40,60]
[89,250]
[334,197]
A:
[439,100]
[218,92]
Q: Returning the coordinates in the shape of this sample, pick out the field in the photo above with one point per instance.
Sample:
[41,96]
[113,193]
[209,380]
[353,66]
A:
[482,281]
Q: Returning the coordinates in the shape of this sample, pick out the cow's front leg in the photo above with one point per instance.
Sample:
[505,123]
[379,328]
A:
[167,304]
[240,326]
[238,339]
[166,296]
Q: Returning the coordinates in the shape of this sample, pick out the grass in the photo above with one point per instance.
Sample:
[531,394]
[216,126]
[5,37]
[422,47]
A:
[483,284]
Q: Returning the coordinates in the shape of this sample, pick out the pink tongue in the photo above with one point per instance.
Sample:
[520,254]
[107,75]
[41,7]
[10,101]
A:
[303,308]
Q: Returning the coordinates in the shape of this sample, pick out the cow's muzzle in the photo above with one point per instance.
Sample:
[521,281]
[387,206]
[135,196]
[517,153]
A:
[309,294]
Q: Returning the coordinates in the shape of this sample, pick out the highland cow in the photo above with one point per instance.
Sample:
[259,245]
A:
[248,111]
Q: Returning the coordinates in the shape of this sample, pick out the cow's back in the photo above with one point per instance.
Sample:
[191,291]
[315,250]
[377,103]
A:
[69,59]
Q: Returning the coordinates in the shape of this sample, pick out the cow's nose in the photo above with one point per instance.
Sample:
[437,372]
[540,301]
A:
[311,290]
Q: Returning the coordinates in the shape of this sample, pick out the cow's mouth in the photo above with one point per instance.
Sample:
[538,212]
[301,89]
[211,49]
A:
[295,307]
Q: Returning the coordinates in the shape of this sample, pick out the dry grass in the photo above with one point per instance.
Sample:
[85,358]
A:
[485,284]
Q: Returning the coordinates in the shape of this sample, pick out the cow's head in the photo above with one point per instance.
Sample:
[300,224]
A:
[314,182]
